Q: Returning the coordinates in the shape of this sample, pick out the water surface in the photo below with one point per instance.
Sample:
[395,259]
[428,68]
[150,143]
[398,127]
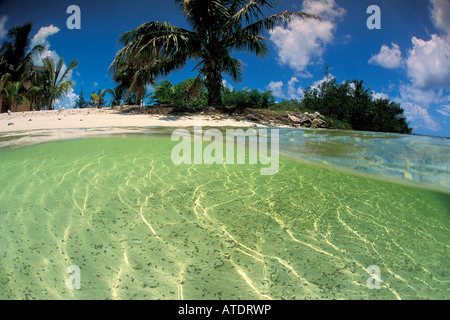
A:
[140,227]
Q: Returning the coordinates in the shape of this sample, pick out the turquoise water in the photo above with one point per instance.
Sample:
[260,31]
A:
[140,227]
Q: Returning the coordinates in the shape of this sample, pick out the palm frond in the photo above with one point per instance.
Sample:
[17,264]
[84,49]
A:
[154,41]
[233,67]
[252,43]
[269,23]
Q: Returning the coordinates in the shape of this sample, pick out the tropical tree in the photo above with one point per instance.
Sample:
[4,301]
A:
[218,27]
[355,106]
[117,95]
[55,78]
[15,91]
[166,93]
[135,83]
[360,88]
[4,79]
[190,92]
[81,102]
[16,55]
[97,99]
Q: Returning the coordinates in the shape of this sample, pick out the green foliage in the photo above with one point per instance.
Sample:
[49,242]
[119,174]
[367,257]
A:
[16,93]
[191,92]
[15,52]
[352,103]
[55,79]
[81,102]
[247,98]
[98,99]
[288,105]
[117,95]
[16,65]
[217,29]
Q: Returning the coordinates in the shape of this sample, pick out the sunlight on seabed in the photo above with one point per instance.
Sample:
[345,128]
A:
[140,227]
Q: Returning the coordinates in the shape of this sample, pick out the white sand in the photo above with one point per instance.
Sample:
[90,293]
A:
[32,127]
[104,118]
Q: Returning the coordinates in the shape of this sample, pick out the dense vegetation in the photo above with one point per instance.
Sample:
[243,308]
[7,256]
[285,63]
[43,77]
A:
[217,28]
[22,82]
[156,49]
[193,93]
[349,105]
[350,102]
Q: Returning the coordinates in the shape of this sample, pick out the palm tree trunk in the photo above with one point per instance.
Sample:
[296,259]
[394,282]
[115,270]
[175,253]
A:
[214,85]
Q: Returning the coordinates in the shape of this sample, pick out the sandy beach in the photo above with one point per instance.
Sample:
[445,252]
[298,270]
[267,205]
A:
[104,118]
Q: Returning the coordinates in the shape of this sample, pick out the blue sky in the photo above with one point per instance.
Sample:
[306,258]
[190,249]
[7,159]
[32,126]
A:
[408,59]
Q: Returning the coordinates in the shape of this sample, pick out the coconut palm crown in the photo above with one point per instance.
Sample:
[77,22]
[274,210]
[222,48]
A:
[56,78]
[218,27]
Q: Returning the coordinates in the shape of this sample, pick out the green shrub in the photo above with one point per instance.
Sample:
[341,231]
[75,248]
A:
[247,98]
[351,103]
[191,92]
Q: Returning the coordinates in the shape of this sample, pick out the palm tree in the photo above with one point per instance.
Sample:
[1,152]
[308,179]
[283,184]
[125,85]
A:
[4,79]
[56,79]
[16,56]
[97,100]
[81,102]
[218,28]
[15,91]
[360,88]
[117,94]
[128,76]
[164,93]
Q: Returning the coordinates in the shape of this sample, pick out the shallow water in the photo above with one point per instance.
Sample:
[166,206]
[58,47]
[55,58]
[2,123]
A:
[140,227]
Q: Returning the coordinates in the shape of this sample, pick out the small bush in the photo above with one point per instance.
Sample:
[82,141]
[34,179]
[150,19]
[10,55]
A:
[187,93]
[248,98]
[351,103]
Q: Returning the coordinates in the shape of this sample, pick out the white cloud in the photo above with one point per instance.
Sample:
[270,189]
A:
[427,65]
[317,83]
[420,117]
[379,95]
[419,95]
[227,85]
[326,9]
[305,40]
[440,14]
[444,110]
[417,102]
[67,101]
[40,38]
[428,62]
[291,92]
[3,31]
[389,58]
[276,88]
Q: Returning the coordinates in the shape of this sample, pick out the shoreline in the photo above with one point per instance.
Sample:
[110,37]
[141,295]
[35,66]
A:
[91,118]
